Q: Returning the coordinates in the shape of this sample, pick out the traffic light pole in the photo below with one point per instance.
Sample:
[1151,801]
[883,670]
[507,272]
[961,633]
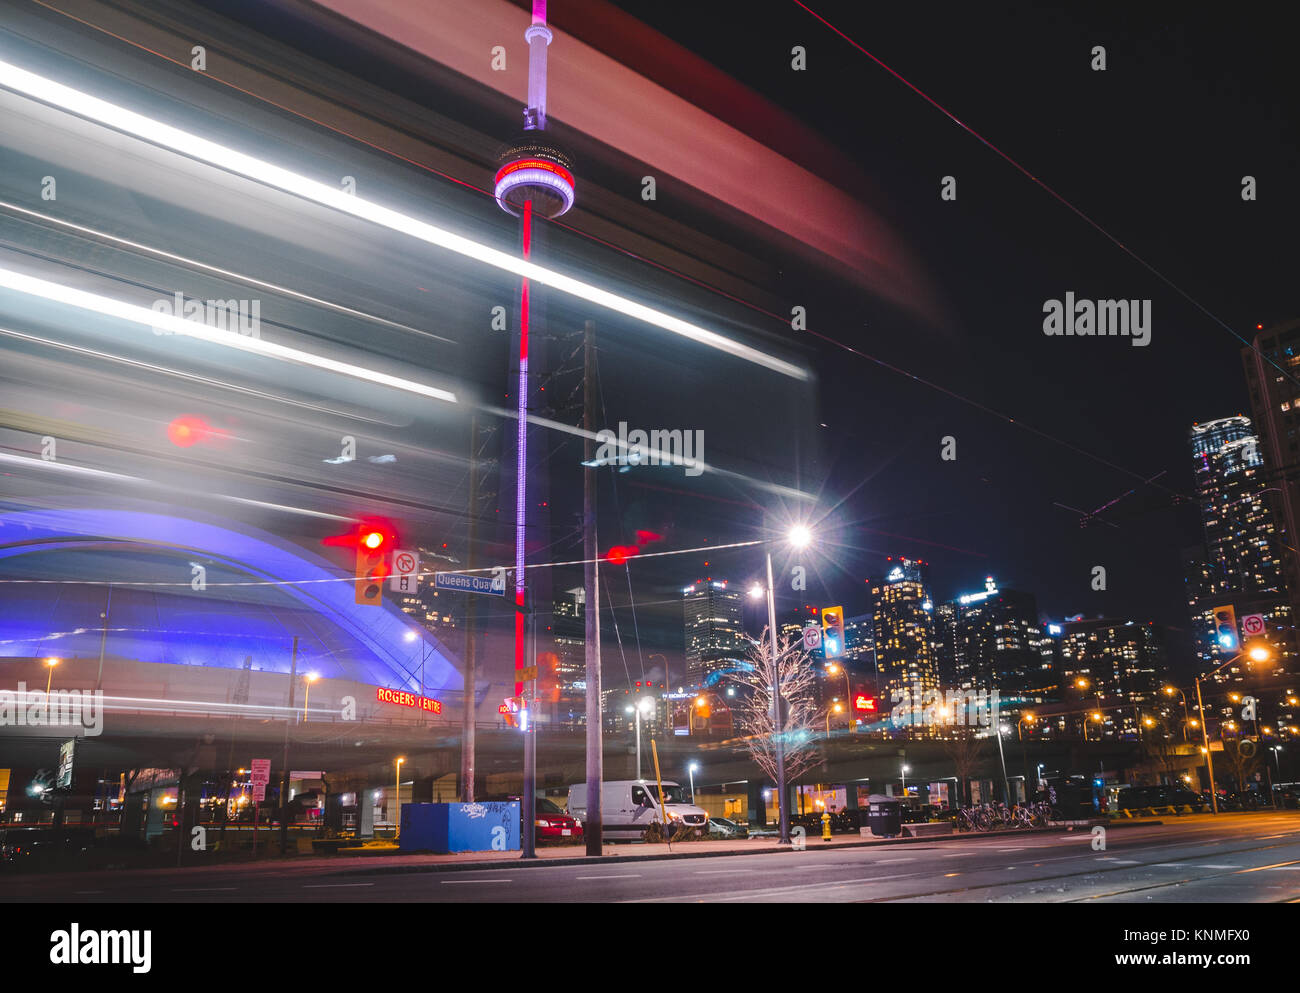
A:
[1205,736]
[777,724]
[591,609]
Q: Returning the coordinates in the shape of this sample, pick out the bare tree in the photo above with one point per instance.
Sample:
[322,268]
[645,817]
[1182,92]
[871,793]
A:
[799,712]
[967,754]
[1242,762]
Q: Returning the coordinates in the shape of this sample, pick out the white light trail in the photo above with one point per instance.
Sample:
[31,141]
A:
[109,307]
[164,135]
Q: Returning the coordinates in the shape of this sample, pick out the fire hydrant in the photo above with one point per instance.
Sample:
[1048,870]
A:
[826,827]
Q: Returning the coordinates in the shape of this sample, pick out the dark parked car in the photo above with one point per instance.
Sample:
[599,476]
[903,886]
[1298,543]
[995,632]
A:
[41,847]
[1136,797]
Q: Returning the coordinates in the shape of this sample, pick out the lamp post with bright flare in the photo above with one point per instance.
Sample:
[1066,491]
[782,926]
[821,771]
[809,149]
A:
[905,768]
[800,537]
[641,707]
[690,769]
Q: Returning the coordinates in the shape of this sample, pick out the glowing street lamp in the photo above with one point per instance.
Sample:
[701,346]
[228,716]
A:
[691,769]
[836,709]
[311,677]
[51,662]
[644,706]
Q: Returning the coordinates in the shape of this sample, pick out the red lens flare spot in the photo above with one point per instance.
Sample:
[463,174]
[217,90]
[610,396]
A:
[186,431]
[621,553]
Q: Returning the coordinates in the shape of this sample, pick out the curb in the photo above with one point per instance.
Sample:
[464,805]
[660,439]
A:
[519,863]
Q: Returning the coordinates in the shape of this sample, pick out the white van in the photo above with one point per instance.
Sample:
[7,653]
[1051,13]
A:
[629,806]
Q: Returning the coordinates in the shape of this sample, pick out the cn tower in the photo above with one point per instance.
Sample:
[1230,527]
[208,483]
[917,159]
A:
[534,178]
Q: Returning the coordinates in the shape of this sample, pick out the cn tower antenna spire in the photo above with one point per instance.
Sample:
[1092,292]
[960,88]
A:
[539,37]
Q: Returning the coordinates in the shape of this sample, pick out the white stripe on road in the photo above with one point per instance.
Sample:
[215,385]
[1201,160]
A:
[1010,849]
[1285,868]
[718,872]
[1210,865]
[1169,865]
[461,882]
[330,886]
[634,875]
[960,855]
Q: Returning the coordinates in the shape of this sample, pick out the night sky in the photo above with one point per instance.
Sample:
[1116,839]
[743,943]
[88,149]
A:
[1153,150]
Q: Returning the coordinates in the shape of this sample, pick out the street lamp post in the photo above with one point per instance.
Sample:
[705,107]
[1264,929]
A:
[836,709]
[638,710]
[1006,787]
[310,678]
[905,768]
[691,770]
[1170,691]
[834,670]
[799,537]
[397,799]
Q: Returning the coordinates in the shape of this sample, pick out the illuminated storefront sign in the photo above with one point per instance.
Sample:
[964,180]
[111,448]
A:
[405,699]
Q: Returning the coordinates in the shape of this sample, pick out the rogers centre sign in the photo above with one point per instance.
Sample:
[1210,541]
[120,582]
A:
[409,700]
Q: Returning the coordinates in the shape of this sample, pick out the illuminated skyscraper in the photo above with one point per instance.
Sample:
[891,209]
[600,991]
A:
[1114,667]
[990,640]
[904,634]
[715,642]
[1241,559]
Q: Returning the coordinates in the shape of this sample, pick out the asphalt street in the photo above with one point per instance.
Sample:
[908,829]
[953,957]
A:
[1195,859]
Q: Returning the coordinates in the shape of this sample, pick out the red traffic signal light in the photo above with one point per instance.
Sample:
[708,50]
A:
[372,541]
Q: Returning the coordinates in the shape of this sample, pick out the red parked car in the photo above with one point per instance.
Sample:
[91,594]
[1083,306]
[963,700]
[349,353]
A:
[553,823]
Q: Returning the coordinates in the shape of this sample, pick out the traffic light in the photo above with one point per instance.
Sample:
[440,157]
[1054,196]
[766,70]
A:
[833,632]
[373,546]
[1225,628]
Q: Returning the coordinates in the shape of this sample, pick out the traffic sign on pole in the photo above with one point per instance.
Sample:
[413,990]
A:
[466,583]
[406,571]
[1252,625]
[812,638]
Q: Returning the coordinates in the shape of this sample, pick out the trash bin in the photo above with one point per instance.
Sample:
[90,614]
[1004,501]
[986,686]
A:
[884,816]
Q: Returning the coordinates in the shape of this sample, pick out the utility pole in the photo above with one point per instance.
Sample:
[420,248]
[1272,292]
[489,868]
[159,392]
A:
[471,615]
[284,783]
[591,609]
